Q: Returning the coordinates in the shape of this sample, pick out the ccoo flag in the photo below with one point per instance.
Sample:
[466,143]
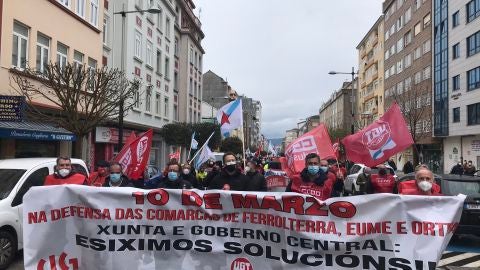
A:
[230,117]
[380,140]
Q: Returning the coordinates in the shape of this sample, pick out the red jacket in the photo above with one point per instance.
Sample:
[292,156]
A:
[321,192]
[410,188]
[382,184]
[73,178]
[96,180]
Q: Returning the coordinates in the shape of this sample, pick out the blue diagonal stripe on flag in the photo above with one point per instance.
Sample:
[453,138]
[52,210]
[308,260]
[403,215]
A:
[233,107]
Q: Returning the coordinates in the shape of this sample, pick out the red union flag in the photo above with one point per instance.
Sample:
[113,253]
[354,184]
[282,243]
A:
[380,140]
[315,141]
[175,155]
[135,154]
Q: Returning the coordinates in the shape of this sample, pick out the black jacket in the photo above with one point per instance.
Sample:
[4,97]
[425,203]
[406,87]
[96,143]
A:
[125,182]
[256,182]
[223,180]
[190,178]
[177,184]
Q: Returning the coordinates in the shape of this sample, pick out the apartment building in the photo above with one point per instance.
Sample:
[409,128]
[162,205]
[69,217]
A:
[370,75]
[188,53]
[408,71]
[457,80]
[336,112]
[72,33]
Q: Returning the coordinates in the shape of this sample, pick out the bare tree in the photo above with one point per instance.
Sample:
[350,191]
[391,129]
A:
[82,98]
[415,105]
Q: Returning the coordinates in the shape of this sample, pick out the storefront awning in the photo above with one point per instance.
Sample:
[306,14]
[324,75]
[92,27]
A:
[32,130]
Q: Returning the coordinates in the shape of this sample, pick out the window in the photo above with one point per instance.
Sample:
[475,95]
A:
[417,29]
[94,12]
[136,99]
[426,73]
[399,23]
[81,8]
[65,2]
[139,4]
[400,66]
[400,88]
[62,52]
[106,23]
[407,38]
[408,60]
[175,112]
[175,81]
[473,10]
[20,45]
[167,27]
[473,114]
[456,50]
[149,54]
[158,104]
[92,66]
[148,98]
[165,111]
[418,4]
[138,45]
[400,45]
[455,19]
[456,115]
[77,59]
[473,44]
[426,20]
[176,47]
[417,53]
[36,179]
[408,84]
[418,77]
[408,15]
[473,77]
[43,51]
[456,82]
[191,87]
[426,46]
[167,68]
[159,62]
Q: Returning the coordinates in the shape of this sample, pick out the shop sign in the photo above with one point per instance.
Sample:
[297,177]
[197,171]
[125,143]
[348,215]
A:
[110,134]
[11,108]
[23,134]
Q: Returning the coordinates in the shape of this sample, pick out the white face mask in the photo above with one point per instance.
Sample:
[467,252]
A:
[231,163]
[247,169]
[425,185]
[186,171]
[63,172]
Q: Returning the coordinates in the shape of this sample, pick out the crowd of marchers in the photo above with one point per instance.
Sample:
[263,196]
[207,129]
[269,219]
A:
[319,178]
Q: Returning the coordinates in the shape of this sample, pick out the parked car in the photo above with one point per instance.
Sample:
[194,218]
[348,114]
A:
[350,183]
[17,176]
[452,185]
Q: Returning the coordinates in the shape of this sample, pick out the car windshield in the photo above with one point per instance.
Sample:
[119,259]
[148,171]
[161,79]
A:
[457,187]
[8,180]
[275,165]
[389,171]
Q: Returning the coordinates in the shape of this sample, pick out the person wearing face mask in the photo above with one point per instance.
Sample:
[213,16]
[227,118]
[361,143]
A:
[173,180]
[256,180]
[187,174]
[457,169]
[383,182]
[116,178]
[422,185]
[315,179]
[362,181]
[230,178]
[64,174]
[97,179]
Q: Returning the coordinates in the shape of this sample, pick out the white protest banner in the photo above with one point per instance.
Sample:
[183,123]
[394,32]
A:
[79,227]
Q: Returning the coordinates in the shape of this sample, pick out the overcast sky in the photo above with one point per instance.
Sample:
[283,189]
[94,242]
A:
[280,51]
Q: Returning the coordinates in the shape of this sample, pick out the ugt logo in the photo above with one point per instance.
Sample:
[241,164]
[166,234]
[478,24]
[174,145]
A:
[61,262]
[241,264]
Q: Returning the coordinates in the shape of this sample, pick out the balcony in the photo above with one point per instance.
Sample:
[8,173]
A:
[363,53]
[368,96]
[375,41]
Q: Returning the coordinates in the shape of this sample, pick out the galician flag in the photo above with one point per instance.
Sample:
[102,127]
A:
[230,117]
[194,143]
[204,156]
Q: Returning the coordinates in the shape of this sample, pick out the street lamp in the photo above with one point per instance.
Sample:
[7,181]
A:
[151,10]
[351,94]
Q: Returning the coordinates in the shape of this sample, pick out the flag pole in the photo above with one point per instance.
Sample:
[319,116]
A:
[243,147]
[200,149]
[190,150]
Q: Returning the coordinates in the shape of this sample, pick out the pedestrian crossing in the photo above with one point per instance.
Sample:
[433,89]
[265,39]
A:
[459,259]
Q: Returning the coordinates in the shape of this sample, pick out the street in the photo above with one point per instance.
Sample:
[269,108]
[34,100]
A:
[462,253]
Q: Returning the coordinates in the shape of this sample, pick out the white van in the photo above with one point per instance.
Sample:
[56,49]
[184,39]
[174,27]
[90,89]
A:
[17,176]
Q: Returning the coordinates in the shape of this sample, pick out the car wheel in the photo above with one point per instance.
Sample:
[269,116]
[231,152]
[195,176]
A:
[8,249]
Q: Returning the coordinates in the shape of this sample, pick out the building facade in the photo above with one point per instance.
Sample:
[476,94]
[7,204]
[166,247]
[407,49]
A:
[28,39]
[189,53]
[457,80]
[335,113]
[408,72]
[370,100]
[215,90]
